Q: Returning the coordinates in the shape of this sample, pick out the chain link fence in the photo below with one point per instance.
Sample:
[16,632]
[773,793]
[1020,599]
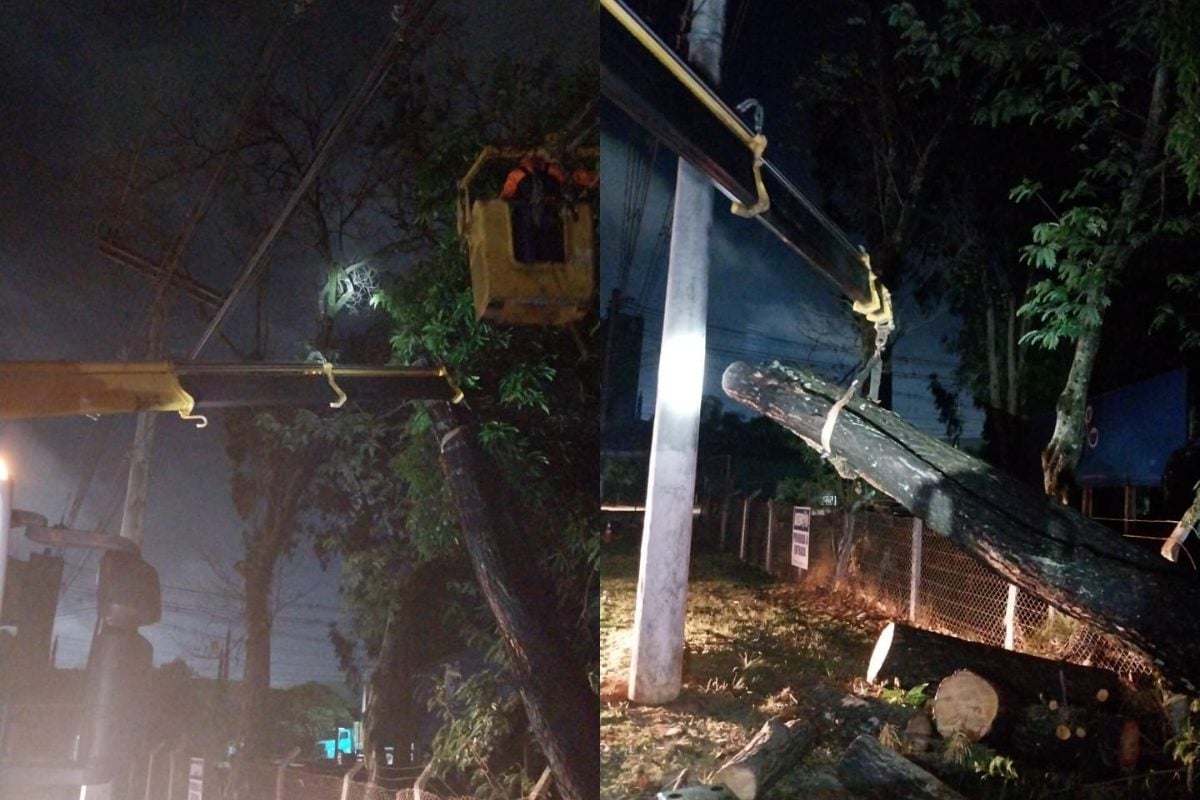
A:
[919,576]
[269,781]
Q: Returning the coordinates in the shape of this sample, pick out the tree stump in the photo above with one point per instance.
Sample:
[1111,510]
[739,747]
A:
[869,769]
[774,750]
[913,656]
[966,704]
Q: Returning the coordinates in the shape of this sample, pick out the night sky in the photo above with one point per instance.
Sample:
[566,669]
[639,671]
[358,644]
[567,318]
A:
[78,83]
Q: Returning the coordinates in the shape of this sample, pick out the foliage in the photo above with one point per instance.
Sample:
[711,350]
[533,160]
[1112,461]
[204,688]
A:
[1184,747]
[481,727]
[962,755]
[946,403]
[880,102]
[535,400]
[1071,74]
[1181,317]
[896,695]
[301,715]
[811,491]
[624,480]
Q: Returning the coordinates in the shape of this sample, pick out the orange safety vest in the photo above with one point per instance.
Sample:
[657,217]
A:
[585,178]
[528,166]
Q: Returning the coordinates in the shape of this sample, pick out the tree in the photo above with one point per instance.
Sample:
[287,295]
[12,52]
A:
[525,446]
[516,493]
[969,264]
[1113,83]
[300,716]
[285,112]
[273,464]
[880,117]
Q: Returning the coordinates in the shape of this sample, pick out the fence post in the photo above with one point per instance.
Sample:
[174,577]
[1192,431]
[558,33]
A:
[914,575]
[843,556]
[746,522]
[1010,618]
[770,534]
[725,519]
[349,776]
[150,767]
[175,751]
[295,751]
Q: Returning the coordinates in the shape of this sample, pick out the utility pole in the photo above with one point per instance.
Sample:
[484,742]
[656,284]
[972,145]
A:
[656,669]
[138,485]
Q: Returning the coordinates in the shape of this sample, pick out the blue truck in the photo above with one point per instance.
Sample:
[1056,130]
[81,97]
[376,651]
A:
[344,748]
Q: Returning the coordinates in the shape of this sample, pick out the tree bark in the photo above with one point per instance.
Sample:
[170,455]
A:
[1071,562]
[914,656]
[1061,454]
[774,750]
[553,683]
[390,718]
[1173,544]
[993,354]
[1012,347]
[256,674]
[872,770]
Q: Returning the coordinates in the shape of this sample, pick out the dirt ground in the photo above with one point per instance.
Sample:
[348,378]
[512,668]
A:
[757,648]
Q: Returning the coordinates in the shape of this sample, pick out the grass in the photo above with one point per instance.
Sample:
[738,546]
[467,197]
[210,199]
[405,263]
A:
[755,649]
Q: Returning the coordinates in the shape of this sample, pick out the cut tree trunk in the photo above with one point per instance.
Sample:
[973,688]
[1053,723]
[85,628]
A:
[871,770]
[966,704]
[774,750]
[1071,562]
[551,678]
[913,656]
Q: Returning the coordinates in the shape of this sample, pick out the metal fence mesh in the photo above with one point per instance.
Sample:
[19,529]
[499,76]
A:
[262,781]
[958,594]
[955,594]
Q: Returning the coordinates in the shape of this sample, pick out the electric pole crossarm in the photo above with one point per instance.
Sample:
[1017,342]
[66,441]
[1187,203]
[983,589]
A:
[648,81]
[119,254]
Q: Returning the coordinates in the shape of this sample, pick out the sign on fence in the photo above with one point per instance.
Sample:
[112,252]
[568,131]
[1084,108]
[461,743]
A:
[801,525]
[195,779]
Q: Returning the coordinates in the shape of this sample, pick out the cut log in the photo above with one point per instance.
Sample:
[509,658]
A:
[1073,563]
[966,704]
[773,751]
[871,770]
[913,656]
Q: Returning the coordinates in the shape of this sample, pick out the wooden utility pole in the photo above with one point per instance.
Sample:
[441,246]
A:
[656,668]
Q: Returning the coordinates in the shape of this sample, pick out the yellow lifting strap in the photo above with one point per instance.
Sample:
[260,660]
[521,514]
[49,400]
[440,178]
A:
[757,143]
[878,308]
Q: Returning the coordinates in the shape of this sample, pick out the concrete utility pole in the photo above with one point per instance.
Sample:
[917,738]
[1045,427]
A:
[138,485]
[656,669]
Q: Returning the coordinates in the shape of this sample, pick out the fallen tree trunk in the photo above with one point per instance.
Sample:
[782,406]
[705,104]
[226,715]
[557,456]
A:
[548,673]
[913,656]
[1071,562]
[872,770]
[773,751]
[967,704]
